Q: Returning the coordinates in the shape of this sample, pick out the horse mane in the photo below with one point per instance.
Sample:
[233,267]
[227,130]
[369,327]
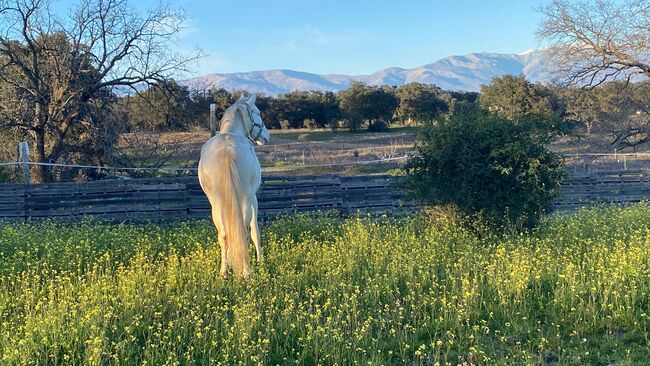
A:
[231,112]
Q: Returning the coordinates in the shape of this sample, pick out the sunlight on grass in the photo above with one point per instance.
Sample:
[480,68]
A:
[364,290]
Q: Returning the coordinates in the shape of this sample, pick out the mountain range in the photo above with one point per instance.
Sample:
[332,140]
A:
[458,73]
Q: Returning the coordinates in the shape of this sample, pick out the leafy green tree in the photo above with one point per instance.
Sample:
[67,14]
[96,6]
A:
[164,106]
[487,166]
[297,108]
[201,100]
[223,100]
[584,107]
[326,108]
[513,97]
[271,112]
[362,103]
[419,102]
[618,109]
[458,101]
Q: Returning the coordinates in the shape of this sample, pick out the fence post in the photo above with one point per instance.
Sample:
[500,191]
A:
[23,148]
[213,119]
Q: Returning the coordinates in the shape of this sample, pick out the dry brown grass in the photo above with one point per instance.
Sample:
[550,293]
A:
[288,150]
[296,150]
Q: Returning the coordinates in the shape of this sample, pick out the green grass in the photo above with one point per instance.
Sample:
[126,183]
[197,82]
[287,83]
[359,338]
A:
[361,291]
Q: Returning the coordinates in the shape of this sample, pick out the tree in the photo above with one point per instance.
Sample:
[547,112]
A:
[419,102]
[629,115]
[270,110]
[325,107]
[459,101]
[297,107]
[513,97]
[223,100]
[163,106]
[485,165]
[582,106]
[59,68]
[361,102]
[596,41]
[618,109]
[201,100]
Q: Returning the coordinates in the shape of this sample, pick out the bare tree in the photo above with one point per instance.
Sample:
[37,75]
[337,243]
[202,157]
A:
[596,41]
[56,68]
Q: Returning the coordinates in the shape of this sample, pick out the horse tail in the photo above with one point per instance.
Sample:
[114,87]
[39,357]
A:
[233,220]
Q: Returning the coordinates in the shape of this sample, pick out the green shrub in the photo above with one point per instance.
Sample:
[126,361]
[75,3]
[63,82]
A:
[309,123]
[378,126]
[487,166]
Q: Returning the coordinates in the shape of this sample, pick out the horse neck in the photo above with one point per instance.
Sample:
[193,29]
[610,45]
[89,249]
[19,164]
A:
[233,124]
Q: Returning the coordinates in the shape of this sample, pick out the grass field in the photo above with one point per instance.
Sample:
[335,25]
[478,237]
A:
[291,150]
[361,291]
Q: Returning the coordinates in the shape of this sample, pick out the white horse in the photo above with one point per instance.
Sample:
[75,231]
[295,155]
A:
[230,175]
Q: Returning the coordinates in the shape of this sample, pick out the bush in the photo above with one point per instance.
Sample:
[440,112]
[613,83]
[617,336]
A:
[309,123]
[8,175]
[333,125]
[378,126]
[488,167]
[284,124]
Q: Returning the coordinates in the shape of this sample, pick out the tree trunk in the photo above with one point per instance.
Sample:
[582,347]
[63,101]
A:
[42,172]
[40,121]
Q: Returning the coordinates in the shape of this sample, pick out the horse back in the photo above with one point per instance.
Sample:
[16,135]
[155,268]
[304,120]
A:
[218,149]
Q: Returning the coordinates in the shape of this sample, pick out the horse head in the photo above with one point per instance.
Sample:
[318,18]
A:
[256,130]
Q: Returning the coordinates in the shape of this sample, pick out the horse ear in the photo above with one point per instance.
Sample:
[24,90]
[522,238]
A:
[251,99]
[241,97]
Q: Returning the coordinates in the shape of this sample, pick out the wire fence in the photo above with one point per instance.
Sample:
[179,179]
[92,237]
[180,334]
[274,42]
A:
[193,168]
[115,171]
[576,164]
[586,163]
[13,163]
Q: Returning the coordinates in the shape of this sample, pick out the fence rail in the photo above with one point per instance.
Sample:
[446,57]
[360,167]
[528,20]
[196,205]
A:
[182,198]
[600,187]
[583,163]
[178,198]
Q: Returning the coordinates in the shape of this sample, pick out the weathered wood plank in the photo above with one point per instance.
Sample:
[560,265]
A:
[154,199]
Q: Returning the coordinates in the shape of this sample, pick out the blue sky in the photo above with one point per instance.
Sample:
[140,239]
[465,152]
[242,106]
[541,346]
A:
[349,37]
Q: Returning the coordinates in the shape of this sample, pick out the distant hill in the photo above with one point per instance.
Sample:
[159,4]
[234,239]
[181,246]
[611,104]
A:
[461,73]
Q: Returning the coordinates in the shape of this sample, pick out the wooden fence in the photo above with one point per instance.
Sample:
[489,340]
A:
[181,198]
[600,187]
[178,198]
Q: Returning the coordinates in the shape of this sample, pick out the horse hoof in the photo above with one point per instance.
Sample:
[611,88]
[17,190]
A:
[246,275]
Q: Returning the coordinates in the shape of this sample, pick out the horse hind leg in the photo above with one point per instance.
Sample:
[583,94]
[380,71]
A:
[223,244]
[225,256]
[255,232]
